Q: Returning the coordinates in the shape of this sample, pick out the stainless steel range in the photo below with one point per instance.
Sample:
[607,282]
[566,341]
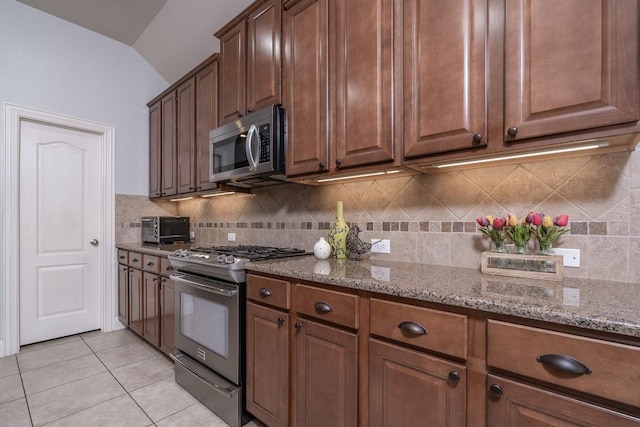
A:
[210,323]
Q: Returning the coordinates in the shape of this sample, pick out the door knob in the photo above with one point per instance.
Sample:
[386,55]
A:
[94,242]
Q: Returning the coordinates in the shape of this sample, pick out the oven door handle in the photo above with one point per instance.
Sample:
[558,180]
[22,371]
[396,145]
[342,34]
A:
[218,291]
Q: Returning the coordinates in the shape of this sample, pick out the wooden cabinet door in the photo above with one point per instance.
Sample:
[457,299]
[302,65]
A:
[306,32]
[123,294]
[362,78]
[232,73]
[326,376]
[155,148]
[445,80]
[206,119]
[150,308]
[268,364]
[513,404]
[263,56]
[186,139]
[569,65]
[406,385]
[167,315]
[168,171]
[135,301]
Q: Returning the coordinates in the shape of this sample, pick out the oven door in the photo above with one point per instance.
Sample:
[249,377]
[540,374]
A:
[208,323]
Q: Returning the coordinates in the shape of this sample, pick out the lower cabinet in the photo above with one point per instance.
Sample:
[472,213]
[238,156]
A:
[326,375]
[167,315]
[146,301]
[406,385]
[151,307]
[136,301]
[512,404]
[268,364]
[123,294]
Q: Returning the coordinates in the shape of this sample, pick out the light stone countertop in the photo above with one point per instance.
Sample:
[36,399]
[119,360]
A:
[612,307]
[600,305]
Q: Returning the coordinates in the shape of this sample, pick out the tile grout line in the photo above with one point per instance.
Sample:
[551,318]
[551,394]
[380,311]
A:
[26,401]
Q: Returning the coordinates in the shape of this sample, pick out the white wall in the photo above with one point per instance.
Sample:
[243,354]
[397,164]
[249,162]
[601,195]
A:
[50,64]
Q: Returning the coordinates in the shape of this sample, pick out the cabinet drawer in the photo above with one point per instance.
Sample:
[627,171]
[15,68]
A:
[135,260]
[332,306]
[443,332]
[614,368]
[123,256]
[270,291]
[166,269]
[151,263]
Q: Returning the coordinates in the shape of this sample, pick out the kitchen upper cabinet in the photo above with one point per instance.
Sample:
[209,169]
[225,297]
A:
[186,140]
[445,75]
[250,64]
[570,65]
[206,119]
[179,123]
[306,40]
[339,68]
[155,149]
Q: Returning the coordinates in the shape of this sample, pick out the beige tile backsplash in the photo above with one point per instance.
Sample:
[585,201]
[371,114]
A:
[430,218]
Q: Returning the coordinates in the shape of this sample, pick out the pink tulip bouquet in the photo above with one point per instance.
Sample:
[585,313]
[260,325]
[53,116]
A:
[496,229]
[545,229]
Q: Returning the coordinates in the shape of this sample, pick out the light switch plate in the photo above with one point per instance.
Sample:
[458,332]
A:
[570,257]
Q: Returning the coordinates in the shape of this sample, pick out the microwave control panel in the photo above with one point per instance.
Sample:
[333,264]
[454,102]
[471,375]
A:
[265,140]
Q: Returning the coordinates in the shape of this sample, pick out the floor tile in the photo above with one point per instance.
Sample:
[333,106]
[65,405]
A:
[11,388]
[67,399]
[117,412]
[140,374]
[15,414]
[196,415]
[37,380]
[112,339]
[8,366]
[47,356]
[163,399]
[126,354]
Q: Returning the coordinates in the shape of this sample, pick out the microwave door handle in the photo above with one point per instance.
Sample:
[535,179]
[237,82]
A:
[253,162]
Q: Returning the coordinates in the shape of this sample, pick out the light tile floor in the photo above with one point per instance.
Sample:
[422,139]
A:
[96,379]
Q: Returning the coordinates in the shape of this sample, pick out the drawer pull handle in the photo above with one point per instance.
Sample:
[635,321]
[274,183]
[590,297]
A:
[323,307]
[496,391]
[169,268]
[564,363]
[122,257]
[264,292]
[134,260]
[413,328]
[149,264]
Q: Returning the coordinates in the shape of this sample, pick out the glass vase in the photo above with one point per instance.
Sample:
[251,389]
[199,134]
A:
[521,247]
[498,246]
[545,248]
[338,234]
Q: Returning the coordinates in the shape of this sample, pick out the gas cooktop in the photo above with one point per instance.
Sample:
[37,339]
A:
[225,261]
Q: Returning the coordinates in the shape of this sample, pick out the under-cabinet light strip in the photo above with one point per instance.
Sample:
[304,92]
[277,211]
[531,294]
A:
[224,193]
[181,199]
[522,155]
[363,175]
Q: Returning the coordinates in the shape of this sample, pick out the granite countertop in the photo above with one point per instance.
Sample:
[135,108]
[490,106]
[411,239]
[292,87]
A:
[591,304]
[585,303]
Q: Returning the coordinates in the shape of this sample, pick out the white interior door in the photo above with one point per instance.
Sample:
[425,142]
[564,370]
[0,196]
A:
[60,224]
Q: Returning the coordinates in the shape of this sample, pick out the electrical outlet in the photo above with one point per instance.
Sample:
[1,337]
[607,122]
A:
[231,237]
[381,246]
[570,257]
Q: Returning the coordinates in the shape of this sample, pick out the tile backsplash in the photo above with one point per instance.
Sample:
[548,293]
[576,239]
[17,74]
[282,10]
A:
[430,218]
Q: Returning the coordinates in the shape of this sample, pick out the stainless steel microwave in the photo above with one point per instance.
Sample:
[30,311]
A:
[250,147]
[165,229]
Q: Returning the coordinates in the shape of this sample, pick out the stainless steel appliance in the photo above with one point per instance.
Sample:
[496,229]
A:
[249,152]
[165,229]
[210,323]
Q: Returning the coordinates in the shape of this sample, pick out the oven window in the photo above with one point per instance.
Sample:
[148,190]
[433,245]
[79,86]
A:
[205,322]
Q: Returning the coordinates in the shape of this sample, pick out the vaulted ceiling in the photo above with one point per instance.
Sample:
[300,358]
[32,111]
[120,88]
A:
[172,35]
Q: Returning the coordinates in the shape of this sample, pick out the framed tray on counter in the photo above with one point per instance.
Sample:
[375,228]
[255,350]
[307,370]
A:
[546,267]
